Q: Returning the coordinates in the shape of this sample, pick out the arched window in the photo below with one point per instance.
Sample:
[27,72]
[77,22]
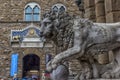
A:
[28,13]
[32,12]
[58,8]
[55,9]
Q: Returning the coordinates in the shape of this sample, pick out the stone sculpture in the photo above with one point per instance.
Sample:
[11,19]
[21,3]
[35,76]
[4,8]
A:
[60,73]
[82,39]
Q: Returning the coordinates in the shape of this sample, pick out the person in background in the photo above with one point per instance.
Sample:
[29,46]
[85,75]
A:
[34,77]
[27,77]
[43,75]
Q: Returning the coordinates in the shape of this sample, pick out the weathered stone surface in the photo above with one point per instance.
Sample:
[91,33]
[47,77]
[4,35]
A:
[101,19]
[113,17]
[6,50]
[111,56]
[90,13]
[112,5]
[13,10]
[98,36]
[115,5]
[100,10]
[103,58]
[99,1]
[109,18]
[88,3]
[108,6]
[74,66]
[116,16]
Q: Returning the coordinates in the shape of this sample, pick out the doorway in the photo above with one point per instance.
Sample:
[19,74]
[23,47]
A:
[31,65]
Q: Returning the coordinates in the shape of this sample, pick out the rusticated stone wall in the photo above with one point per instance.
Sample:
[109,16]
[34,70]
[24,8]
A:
[112,10]
[89,7]
[13,10]
[6,50]
[102,10]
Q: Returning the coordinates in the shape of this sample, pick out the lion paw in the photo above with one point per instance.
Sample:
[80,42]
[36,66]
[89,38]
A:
[107,75]
[117,74]
[84,75]
[111,74]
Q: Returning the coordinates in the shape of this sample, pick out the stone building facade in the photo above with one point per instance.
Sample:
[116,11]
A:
[102,10]
[12,18]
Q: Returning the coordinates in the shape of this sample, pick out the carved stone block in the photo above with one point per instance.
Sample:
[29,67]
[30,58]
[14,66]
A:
[88,3]
[113,17]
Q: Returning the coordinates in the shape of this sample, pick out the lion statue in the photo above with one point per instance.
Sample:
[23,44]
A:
[85,37]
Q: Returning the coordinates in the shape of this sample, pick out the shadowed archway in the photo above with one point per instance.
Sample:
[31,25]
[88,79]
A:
[31,62]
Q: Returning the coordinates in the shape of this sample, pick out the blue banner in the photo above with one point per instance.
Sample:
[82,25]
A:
[14,64]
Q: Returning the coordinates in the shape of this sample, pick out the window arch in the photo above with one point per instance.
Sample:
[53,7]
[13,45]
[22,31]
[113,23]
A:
[58,8]
[32,12]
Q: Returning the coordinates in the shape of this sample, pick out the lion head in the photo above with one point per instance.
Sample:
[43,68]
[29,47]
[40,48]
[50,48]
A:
[54,24]
[59,27]
[47,28]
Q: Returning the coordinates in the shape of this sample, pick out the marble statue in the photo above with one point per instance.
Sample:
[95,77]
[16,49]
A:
[82,39]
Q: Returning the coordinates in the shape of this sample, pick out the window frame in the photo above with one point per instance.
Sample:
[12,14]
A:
[59,5]
[32,5]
